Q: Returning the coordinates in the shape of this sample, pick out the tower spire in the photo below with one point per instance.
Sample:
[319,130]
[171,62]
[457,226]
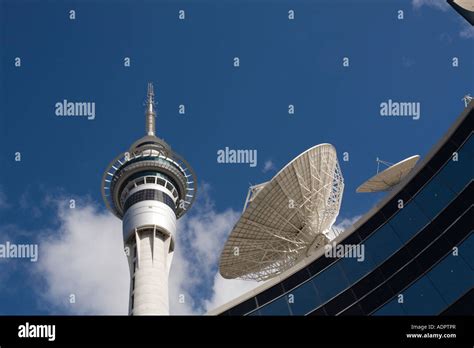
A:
[150,111]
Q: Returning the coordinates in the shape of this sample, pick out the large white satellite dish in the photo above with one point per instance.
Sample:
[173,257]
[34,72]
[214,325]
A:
[286,217]
[387,179]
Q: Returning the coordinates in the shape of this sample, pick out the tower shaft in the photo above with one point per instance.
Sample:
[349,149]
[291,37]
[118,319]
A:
[149,270]
[149,226]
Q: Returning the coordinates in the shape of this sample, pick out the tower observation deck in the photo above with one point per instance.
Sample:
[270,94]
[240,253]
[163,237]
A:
[149,187]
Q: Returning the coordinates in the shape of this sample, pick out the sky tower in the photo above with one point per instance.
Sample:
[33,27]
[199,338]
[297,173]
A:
[149,187]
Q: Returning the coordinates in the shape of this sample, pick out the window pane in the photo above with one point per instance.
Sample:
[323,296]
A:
[434,197]
[466,250]
[277,307]
[270,294]
[408,221]
[376,298]
[391,308]
[452,277]
[244,307]
[355,268]
[254,313]
[303,299]
[421,298]
[457,174]
[383,243]
[330,282]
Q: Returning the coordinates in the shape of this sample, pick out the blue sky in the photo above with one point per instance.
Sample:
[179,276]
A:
[190,61]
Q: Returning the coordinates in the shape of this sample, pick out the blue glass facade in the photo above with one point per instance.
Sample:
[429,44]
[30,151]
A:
[436,290]
[418,259]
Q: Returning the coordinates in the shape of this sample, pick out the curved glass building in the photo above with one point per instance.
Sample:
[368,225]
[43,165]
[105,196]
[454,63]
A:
[418,249]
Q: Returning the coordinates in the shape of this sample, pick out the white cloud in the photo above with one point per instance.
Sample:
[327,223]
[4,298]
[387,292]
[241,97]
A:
[25,201]
[225,290]
[3,199]
[84,257]
[407,62]
[345,223]
[194,273]
[467,32]
[446,38]
[438,4]
[8,266]
[181,282]
[268,166]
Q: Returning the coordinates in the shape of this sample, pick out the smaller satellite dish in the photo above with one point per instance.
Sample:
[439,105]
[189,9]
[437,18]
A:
[387,179]
[465,8]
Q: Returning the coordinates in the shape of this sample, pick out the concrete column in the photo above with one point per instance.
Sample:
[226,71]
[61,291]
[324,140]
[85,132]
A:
[149,227]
